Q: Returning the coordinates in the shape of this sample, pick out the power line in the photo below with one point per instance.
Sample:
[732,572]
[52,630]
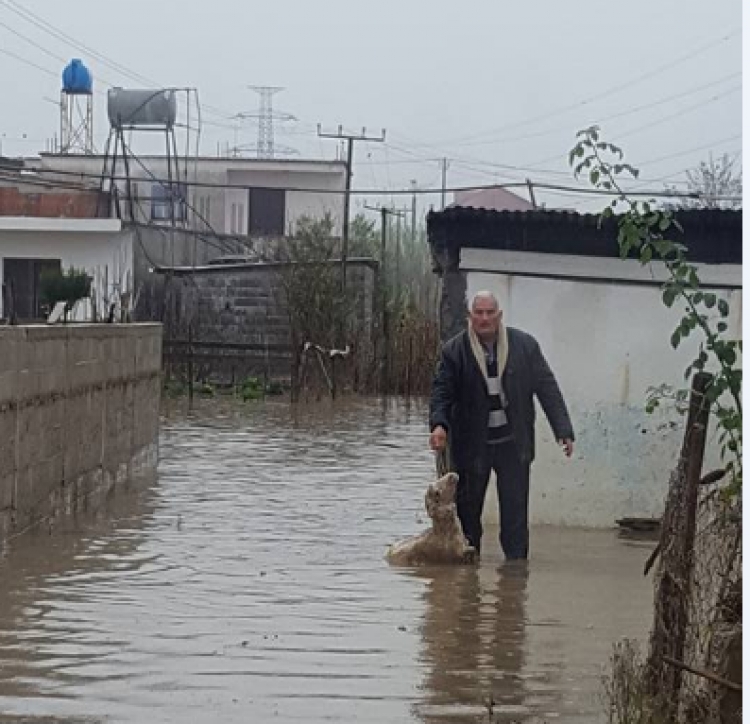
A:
[610,117]
[604,94]
[371,192]
[51,30]
[691,150]
[350,138]
[31,63]
[657,122]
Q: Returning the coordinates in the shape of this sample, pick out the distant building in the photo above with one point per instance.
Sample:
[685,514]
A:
[240,196]
[492,197]
[45,228]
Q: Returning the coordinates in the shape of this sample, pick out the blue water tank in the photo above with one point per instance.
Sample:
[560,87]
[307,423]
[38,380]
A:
[76,79]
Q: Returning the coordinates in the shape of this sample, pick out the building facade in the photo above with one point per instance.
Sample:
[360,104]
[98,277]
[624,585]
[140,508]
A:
[47,229]
[223,195]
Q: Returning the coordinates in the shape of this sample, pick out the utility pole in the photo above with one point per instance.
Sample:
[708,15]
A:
[384,212]
[350,138]
[399,214]
[444,183]
[414,212]
[531,192]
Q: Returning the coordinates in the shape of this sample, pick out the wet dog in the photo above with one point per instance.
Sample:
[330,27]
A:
[444,543]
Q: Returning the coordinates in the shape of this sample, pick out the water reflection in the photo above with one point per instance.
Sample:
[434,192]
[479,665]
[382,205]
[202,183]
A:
[474,637]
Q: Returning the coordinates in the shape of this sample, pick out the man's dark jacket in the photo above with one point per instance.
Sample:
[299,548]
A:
[460,401]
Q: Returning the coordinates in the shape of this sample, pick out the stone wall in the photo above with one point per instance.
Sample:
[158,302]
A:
[79,412]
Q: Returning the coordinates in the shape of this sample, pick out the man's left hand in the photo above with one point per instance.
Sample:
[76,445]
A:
[567,446]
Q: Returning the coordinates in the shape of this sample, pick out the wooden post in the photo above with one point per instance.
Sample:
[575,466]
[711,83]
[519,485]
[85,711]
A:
[190,363]
[673,591]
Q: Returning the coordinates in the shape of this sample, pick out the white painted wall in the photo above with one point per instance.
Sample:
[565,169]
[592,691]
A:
[286,174]
[96,245]
[607,344]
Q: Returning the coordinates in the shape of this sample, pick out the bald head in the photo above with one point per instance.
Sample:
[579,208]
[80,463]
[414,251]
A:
[485,316]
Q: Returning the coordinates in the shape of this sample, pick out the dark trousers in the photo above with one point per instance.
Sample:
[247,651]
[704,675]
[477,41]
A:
[512,494]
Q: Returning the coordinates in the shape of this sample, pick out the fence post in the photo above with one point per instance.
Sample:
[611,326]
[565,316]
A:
[190,363]
[675,572]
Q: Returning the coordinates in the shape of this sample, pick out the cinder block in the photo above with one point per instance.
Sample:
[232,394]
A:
[7,491]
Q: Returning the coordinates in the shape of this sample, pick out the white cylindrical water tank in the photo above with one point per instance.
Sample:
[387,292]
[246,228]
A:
[128,108]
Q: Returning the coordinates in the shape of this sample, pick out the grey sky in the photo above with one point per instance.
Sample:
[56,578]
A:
[434,74]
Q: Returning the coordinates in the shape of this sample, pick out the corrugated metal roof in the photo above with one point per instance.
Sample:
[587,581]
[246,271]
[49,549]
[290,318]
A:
[712,236]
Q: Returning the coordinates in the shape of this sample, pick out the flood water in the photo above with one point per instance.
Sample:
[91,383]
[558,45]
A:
[247,584]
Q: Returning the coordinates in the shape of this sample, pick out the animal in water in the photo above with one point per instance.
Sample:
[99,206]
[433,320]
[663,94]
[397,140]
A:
[444,542]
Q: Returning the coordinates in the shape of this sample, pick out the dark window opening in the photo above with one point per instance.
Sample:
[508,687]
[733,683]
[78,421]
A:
[21,292]
[266,212]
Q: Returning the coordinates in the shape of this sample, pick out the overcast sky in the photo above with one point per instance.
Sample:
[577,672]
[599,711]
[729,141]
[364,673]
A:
[499,88]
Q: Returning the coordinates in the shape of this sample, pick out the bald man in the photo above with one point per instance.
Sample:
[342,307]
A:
[482,406]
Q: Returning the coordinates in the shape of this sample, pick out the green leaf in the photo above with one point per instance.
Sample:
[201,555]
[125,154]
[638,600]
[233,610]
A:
[669,296]
[594,177]
[723,307]
[664,223]
[722,326]
[646,254]
[676,337]
[709,300]
[697,297]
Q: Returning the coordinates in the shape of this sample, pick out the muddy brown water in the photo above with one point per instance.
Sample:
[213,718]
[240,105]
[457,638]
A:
[247,584]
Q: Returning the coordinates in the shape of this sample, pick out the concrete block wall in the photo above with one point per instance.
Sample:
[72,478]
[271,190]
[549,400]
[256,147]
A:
[245,304]
[79,412]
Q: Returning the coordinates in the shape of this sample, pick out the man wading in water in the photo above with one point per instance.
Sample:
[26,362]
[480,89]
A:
[483,400]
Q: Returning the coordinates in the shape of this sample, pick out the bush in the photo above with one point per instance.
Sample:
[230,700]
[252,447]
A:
[626,696]
[68,287]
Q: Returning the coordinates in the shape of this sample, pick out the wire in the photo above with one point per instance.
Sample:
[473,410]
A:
[373,192]
[604,94]
[691,150]
[46,27]
[657,122]
[613,116]
[29,62]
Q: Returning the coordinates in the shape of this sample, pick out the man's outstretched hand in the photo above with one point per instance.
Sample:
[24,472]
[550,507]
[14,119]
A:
[438,438]
[567,446]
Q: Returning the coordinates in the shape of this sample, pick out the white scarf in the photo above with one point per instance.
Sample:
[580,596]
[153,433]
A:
[501,350]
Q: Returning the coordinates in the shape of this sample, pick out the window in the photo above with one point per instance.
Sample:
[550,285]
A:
[21,286]
[266,212]
[233,219]
[166,199]
[240,218]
